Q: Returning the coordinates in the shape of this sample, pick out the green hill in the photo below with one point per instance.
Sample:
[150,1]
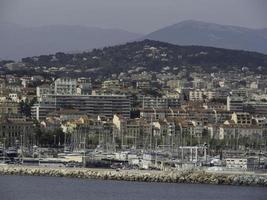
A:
[154,56]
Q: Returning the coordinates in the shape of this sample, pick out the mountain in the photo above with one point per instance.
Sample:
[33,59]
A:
[153,56]
[18,41]
[208,34]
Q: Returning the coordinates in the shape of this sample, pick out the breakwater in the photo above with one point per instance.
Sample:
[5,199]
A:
[197,177]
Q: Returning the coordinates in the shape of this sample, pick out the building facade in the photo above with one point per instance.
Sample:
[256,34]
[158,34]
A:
[106,105]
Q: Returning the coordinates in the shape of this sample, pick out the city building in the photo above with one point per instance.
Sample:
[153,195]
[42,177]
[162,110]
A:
[17,131]
[106,105]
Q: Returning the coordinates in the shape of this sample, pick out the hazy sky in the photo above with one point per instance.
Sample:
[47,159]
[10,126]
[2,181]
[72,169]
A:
[140,16]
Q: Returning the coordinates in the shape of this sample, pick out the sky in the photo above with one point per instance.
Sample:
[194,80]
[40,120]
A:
[140,16]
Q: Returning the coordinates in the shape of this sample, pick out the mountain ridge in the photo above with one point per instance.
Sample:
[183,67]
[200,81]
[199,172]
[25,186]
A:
[20,41]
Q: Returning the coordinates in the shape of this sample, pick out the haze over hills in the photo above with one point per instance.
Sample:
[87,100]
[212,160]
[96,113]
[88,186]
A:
[193,32]
[17,41]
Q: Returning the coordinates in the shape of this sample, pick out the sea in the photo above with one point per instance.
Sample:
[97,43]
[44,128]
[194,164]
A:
[54,188]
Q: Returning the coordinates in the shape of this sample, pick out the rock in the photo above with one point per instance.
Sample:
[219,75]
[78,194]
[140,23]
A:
[173,177]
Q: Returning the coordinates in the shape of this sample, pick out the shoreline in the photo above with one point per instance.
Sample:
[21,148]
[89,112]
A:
[188,177]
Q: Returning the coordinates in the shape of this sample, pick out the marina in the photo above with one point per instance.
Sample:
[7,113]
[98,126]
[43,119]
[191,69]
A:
[179,159]
[133,100]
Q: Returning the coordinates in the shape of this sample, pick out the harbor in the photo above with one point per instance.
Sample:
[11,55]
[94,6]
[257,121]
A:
[183,158]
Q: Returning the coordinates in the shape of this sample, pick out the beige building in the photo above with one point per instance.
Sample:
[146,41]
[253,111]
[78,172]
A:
[9,107]
[242,118]
[16,131]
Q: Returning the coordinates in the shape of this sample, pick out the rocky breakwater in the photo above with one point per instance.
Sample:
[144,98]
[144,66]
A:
[197,177]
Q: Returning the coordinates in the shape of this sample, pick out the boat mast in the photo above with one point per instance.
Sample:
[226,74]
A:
[4,152]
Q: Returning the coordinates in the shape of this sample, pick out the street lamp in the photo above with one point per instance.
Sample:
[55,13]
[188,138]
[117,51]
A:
[54,140]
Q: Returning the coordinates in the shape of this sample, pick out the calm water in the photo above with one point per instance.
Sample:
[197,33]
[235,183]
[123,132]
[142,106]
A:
[50,188]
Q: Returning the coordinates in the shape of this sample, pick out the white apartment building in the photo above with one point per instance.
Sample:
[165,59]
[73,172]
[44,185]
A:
[67,86]
[200,95]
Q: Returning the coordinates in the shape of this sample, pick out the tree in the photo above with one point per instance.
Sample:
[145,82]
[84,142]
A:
[25,106]
[50,138]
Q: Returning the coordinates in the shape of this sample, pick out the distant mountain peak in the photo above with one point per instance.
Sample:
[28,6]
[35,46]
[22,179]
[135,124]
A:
[194,32]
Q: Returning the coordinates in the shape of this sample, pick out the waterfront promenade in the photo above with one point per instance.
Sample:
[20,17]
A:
[197,177]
